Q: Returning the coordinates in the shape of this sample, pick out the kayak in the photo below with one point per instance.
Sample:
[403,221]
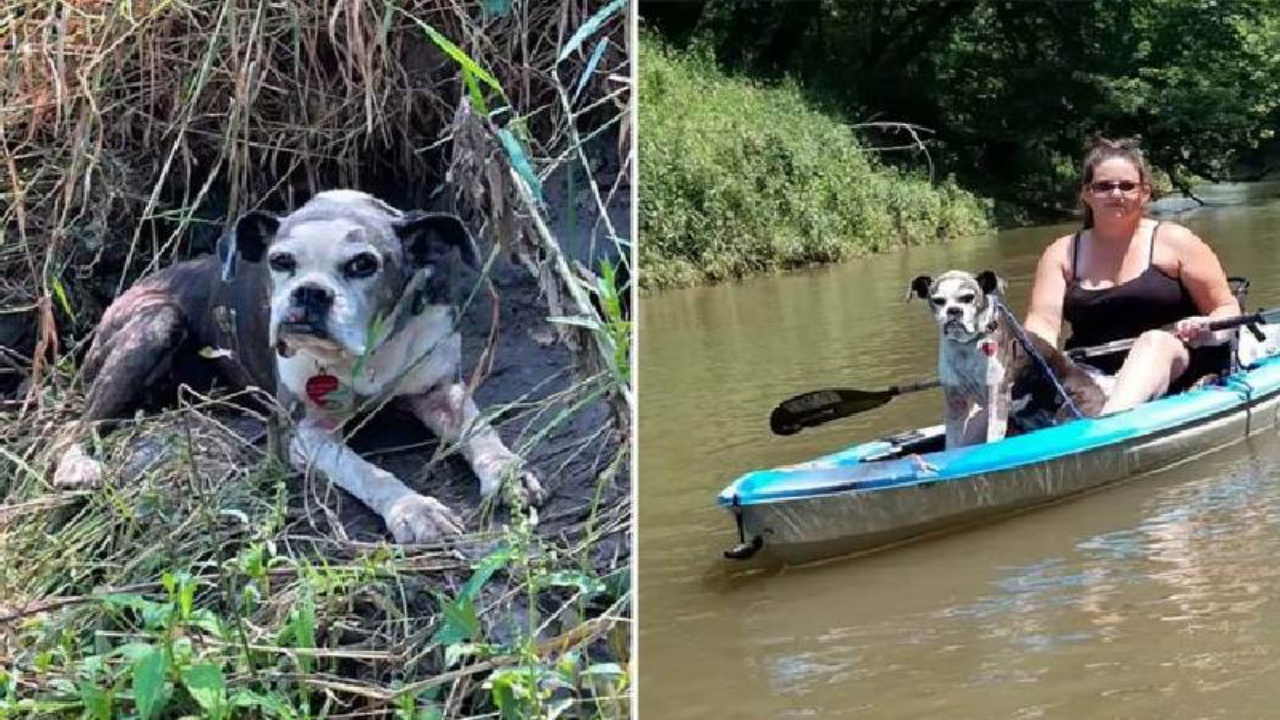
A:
[907,485]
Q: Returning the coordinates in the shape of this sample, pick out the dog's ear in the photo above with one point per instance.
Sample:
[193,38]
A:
[990,283]
[920,287]
[429,236]
[252,235]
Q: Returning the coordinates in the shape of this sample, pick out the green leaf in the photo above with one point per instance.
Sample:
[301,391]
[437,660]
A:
[372,338]
[607,287]
[208,688]
[97,704]
[155,616]
[133,651]
[272,704]
[587,585]
[473,91]
[459,621]
[459,55]
[520,161]
[209,622]
[501,8]
[589,27]
[430,712]
[617,582]
[60,292]
[148,683]
[186,595]
[594,60]
[304,629]
[485,569]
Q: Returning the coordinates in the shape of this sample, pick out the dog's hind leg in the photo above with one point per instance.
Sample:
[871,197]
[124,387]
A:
[132,353]
[451,413]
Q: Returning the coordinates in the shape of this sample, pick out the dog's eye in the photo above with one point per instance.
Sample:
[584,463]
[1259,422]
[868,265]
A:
[938,301]
[967,298]
[362,265]
[283,263]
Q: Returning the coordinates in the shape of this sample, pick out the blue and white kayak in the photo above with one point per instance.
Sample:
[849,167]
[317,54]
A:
[905,486]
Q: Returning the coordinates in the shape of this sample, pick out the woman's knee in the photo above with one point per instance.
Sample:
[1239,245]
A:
[1161,347]
[1160,342]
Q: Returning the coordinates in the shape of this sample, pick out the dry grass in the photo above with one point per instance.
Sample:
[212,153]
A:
[129,134]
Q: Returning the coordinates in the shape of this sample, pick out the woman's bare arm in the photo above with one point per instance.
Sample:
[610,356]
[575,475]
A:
[1044,316]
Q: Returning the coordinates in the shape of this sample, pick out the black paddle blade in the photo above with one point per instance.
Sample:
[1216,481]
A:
[822,406]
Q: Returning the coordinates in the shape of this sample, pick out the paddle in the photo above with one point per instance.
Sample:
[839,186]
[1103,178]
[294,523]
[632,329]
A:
[1250,321]
[822,406]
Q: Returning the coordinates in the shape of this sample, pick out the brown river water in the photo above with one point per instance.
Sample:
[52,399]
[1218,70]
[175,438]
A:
[1159,597]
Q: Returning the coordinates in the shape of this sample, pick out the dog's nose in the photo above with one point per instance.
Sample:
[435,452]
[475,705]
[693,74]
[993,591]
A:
[312,296]
[954,312]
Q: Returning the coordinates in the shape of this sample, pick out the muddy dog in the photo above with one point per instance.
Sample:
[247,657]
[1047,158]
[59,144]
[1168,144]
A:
[987,376]
[342,303]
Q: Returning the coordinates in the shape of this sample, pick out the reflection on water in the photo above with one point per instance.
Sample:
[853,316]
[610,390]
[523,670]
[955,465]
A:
[1151,598]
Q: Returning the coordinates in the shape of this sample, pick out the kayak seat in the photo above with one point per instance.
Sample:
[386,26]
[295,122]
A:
[1240,288]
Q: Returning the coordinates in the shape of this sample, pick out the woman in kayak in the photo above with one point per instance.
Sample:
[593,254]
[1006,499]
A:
[1124,275]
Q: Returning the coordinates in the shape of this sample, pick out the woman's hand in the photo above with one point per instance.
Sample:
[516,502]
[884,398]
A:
[1195,332]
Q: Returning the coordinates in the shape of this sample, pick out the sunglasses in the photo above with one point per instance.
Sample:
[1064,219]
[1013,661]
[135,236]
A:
[1104,188]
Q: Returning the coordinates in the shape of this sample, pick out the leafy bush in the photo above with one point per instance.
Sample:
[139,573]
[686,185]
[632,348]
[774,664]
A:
[739,178]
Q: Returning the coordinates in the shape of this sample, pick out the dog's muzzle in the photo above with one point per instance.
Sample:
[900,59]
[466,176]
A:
[307,317]
[308,312]
[956,326]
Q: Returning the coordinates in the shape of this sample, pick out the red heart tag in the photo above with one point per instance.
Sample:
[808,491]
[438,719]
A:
[988,348]
[319,388]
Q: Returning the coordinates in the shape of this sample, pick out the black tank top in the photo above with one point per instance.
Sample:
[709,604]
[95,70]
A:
[1151,300]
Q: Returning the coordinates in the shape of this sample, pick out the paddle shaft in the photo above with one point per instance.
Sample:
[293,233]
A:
[822,406]
[1250,320]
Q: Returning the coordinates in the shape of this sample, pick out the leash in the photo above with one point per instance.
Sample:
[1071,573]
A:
[1041,363]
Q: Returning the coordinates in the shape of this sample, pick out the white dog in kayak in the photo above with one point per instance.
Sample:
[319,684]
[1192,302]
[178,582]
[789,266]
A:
[985,371]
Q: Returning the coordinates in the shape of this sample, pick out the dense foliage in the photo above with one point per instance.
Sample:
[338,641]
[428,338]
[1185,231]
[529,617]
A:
[740,178]
[1015,89]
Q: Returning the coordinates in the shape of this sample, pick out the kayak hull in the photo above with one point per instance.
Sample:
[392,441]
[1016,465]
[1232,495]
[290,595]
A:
[852,501]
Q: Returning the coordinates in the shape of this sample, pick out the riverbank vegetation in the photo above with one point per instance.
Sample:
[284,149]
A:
[206,579]
[741,177]
[1007,94]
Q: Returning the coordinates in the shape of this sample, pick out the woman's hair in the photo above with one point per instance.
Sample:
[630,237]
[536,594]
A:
[1100,150]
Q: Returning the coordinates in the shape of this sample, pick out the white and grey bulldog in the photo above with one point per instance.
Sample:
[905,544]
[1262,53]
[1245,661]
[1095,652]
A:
[985,372]
[334,307]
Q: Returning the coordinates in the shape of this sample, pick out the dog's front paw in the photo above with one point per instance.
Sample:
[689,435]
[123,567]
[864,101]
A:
[527,488]
[514,484]
[77,471]
[415,519]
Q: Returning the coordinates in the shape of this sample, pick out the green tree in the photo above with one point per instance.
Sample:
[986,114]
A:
[1013,90]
